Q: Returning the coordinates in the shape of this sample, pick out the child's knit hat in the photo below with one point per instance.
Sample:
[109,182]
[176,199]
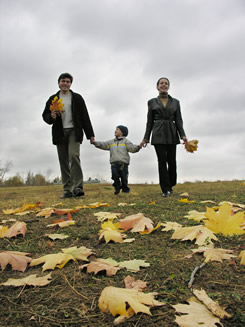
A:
[124,129]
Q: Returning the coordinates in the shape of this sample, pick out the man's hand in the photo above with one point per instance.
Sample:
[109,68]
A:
[92,140]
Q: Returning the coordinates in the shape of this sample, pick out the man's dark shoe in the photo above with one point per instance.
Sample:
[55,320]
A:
[78,193]
[66,195]
[166,194]
[117,191]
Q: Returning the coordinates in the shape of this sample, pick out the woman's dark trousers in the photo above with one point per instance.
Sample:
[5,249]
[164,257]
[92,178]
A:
[166,155]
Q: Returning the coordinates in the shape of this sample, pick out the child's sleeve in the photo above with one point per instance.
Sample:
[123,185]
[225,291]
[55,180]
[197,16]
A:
[131,147]
[103,145]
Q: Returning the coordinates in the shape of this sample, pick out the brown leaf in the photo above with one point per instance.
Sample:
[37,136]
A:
[18,228]
[130,282]
[17,260]
[31,280]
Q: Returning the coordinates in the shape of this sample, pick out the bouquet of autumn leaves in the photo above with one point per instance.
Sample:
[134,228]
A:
[57,105]
[191,146]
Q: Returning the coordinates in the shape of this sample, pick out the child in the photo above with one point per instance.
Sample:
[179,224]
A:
[119,157]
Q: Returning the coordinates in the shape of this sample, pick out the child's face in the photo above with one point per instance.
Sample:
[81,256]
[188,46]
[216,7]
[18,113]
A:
[118,132]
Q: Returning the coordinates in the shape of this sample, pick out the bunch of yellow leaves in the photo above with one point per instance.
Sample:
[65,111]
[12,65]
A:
[191,146]
[57,105]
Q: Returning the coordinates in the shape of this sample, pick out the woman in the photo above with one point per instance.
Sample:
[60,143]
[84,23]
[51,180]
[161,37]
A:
[164,120]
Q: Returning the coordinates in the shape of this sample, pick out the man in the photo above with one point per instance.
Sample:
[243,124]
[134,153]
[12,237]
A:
[68,126]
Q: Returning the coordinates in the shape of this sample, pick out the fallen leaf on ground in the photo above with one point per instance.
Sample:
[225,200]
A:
[57,236]
[114,299]
[61,212]
[46,212]
[169,225]
[191,146]
[133,265]
[207,201]
[152,230]
[110,225]
[56,105]
[210,304]
[25,207]
[101,216]
[196,215]
[137,223]
[31,280]
[185,200]
[214,254]
[4,221]
[81,253]
[100,265]
[223,221]
[3,230]
[123,204]
[17,260]
[18,228]
[131,283]
[195,314]
[63,224]
[52,260]
[242,257]
[241,206]
[185,194]
[201,233]
[111,235]
[99,204]
[129,240]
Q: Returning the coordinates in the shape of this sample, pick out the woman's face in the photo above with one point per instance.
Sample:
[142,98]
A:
[163,85]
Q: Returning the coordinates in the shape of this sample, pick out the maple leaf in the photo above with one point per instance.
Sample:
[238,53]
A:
[106,215]
[123,204]
[214,254]
[151,230]
[31,280]
[46,212]
[201,233]
[52,260]
[18,228]
[196,215]
[17,260]
[170,225]
[100,265]
[223,221]
[63,224]
[185,200]
[99,204]
[242,257]
[25,207]
[64,211]
[110,225]
[56,105]
[240,206]
[111,235]
[114,299]
[137,223]
[191,146]
[81,253]
[133,265]
[195,314]
[210,304]
[130,282]
[57,236]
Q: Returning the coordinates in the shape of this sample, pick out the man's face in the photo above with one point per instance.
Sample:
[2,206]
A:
[64,85]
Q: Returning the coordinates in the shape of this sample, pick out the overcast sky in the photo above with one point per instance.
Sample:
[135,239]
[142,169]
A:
[116,50]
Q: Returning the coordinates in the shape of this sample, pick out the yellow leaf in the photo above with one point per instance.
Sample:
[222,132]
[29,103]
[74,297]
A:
[46,212]
[242,257]
[133,265]
[63,224]
[123,204]
[202,234]
[57,236]
[31,280]
[3,230]
[99,204]
[106,215]
[195,314]
[111,235]
[52,260]
[185,200]
[114,299]
[169,225]
[110,225]
[223,221]
[214,254]
[152,203]
[195,215]
[191,146]
[57,105]
[81,253]
[185,194]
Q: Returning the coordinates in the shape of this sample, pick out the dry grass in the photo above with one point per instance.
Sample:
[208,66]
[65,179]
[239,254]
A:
[72,297]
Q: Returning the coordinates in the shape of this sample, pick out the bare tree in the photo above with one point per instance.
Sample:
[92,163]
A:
[4,169]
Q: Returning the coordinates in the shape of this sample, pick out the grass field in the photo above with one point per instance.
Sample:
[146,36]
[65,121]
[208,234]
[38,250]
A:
[71,299]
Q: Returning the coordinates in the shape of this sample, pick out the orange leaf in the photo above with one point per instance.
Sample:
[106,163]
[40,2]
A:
[57,105]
